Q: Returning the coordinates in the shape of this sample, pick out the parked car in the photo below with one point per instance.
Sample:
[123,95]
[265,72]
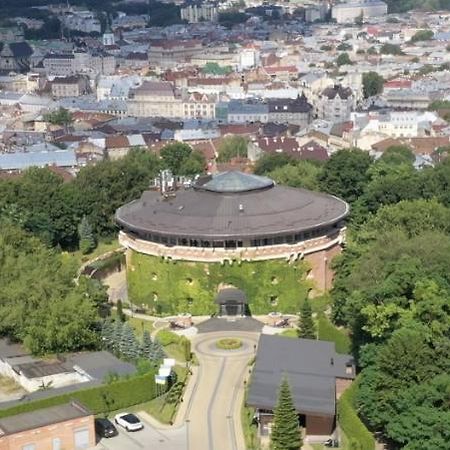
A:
[128,421]
[105,428]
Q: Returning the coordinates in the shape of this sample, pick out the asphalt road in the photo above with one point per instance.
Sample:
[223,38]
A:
[149,438]
[213,417]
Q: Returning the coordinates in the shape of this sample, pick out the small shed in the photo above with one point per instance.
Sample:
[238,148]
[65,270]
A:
[232,302]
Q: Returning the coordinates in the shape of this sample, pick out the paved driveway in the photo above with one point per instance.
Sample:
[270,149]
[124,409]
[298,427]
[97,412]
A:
[213,417]
[147,439]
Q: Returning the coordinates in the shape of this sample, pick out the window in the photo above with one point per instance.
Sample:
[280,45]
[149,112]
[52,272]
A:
[81,438]
[29,447]
[56,444]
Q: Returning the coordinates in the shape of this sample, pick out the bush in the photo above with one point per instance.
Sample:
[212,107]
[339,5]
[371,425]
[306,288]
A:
[358,435]
[229,344]
[100,399]
[328,332]
[166,337]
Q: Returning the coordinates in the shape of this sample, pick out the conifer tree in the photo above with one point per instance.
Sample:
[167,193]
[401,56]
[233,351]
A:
[285,431]
[86,235]
[157,351]
[107,334]
[120,313]
[128,344]
[147,345]
[116,336]
[307,328]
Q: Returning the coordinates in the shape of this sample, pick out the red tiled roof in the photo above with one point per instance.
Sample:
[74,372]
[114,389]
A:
[117,141]
[290,146]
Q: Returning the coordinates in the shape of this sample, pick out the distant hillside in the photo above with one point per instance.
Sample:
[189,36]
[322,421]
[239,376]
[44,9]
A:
[398,6]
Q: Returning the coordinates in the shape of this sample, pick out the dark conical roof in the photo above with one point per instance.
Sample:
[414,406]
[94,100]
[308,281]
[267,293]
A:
[234,182]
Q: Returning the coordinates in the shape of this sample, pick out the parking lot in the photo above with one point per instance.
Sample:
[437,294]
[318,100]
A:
[146,439]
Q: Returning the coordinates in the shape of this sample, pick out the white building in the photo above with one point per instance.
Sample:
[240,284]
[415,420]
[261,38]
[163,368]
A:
[348,12]
[199,12]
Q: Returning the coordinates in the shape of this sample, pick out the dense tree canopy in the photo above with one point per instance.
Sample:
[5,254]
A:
[232,147]
[372,84]
[39,303]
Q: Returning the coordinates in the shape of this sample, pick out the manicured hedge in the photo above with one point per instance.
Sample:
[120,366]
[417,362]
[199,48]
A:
[169,287]
[359,437]
[328,332]
[99,399]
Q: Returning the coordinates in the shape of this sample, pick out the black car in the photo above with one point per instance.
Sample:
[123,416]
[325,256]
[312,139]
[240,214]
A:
[105,428]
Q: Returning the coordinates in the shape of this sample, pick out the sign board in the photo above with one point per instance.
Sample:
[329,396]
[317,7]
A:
[160,379]
[165,371]
[168,362]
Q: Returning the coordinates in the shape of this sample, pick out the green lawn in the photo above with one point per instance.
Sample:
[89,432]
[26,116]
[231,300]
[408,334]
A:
[290,333]
[158,408]
[250,431]
[175,351]
[102,247]
[139,326]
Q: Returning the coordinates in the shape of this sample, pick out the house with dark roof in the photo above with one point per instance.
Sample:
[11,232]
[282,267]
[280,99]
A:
[317,376]
[335,103]
[15,57]
[294,111]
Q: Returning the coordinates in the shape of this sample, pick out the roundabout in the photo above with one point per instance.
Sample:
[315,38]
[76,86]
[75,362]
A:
[213,416]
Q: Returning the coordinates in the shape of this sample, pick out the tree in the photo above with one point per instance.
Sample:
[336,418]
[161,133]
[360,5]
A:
[391,49]
[285,431]
[195,164]
[232,147]
[147,344]
[372,84]
[300,174]
[87,239]
[345,174]
[174,156]
[269,162]
[61,117]
[307,328]
[422,35]
[343,59]
[120,314]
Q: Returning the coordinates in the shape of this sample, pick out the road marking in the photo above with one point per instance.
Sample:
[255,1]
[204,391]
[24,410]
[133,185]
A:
[212,401]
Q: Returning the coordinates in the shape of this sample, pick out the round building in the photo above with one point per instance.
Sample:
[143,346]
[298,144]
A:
[231,229]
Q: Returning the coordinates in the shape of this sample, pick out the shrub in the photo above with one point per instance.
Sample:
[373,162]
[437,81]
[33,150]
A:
[358,435]
[229,344]
[166,337]
[328,332]
[100,399]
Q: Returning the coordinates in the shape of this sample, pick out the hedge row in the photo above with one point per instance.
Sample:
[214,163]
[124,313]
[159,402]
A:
[99,399]
[359,437]
[328,332]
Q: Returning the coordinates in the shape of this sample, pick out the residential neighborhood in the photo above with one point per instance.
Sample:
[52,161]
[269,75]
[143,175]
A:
[224,224]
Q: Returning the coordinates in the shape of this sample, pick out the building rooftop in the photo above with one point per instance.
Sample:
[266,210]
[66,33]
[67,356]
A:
[234,181]
[311,367]
[42,418]
[232,205]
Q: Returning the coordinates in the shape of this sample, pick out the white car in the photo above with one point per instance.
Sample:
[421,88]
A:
[128,421]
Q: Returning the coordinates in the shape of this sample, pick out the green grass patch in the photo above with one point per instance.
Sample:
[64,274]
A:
[174,345]
[159,408]
[328,332]
[357,435]
[250,430]
[229,344]
[139,326]
[289,333]
[102,247]
[169,287]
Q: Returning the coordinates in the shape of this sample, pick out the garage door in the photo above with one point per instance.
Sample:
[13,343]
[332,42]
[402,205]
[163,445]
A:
[81,438]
